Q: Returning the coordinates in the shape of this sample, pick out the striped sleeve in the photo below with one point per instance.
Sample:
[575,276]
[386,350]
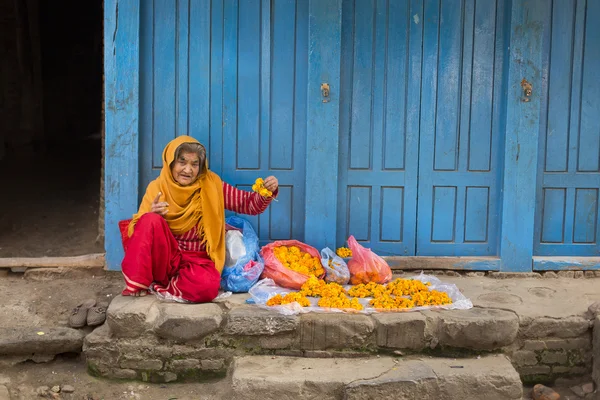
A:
[243,202]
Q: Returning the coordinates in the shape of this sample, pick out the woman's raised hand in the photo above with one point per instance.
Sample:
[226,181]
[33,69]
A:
[271,183]
[159,208]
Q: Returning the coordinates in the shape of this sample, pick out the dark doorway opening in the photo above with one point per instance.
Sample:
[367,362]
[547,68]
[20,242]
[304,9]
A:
[50,127]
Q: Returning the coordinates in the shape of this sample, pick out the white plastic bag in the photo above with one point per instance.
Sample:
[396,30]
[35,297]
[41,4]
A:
[234,245]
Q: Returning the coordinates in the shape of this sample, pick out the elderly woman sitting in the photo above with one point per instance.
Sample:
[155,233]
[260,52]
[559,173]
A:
[175,244]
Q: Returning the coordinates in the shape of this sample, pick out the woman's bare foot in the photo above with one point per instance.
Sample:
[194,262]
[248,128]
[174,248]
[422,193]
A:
[137,293]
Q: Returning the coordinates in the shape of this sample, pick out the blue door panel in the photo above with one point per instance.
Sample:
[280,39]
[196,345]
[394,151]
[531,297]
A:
[462,129]
[379,126]
[233,75]
[567,217]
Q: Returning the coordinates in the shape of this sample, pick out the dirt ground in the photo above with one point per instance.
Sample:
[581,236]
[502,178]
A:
[50,201]
[24,381]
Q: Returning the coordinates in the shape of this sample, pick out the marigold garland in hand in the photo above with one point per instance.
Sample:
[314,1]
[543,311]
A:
[259,187]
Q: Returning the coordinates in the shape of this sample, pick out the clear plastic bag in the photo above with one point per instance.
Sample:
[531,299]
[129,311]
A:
[266,288]
[248,266]
[366,266]
[338,270]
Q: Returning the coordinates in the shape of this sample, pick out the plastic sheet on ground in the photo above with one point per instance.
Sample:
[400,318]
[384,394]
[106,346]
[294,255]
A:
[266,288]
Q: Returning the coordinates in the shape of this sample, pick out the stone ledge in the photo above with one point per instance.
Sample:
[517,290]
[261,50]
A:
[131,316]
[191,322]
[27,341]
[259,377]
[476,329]
[336,331]
[254,321]
[570,327]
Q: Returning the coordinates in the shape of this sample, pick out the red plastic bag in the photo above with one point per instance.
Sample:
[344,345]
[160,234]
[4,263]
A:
[280,274]
[366,266]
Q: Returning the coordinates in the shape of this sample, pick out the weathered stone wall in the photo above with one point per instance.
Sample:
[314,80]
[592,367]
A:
[155,341]
[549,348]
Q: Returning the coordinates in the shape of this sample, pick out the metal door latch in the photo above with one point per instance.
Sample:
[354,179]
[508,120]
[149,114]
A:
[325,92]
[527,90]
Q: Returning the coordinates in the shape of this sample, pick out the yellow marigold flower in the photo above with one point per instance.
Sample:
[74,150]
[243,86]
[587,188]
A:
[289,298]
[259,187]
[344,252]
[275,300]
[340,301]
[295,259]
[405,287]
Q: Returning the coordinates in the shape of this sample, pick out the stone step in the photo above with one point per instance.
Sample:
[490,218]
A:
[474,329]
[38,343]
[266,377]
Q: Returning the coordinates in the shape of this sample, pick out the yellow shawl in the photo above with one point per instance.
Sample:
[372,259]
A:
[200,203]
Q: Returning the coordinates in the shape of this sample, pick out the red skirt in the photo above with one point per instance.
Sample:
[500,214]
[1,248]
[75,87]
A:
[152,257]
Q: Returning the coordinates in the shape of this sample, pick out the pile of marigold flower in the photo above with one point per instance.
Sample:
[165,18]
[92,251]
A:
[259,187]
[392,296]
[297,260]
[331,295]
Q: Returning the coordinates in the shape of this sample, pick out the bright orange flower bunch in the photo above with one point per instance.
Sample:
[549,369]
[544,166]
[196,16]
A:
[388,301]
[370,289]
[364,277]
[297,297]
[297,260]
[340,301]
[318,288]
[431,298]
[405,287]
[344,252]
[259,187]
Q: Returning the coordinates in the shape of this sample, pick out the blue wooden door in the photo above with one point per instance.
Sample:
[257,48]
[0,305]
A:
[379,124]
[231,73]
[462,127]
[569,163]
[421,127]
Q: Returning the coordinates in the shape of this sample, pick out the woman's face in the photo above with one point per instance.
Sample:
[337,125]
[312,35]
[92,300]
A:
[186,168]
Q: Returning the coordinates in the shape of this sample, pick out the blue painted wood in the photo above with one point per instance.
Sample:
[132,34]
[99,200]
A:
[121,102]
[216,95]
[324,33]
[566,263]
[234,75]
[567,217]
[522,132]
[461,131]
[199,75]
[444,263]
[379,125]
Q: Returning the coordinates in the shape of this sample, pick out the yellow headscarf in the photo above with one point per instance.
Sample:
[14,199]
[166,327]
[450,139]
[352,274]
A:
[200,203]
